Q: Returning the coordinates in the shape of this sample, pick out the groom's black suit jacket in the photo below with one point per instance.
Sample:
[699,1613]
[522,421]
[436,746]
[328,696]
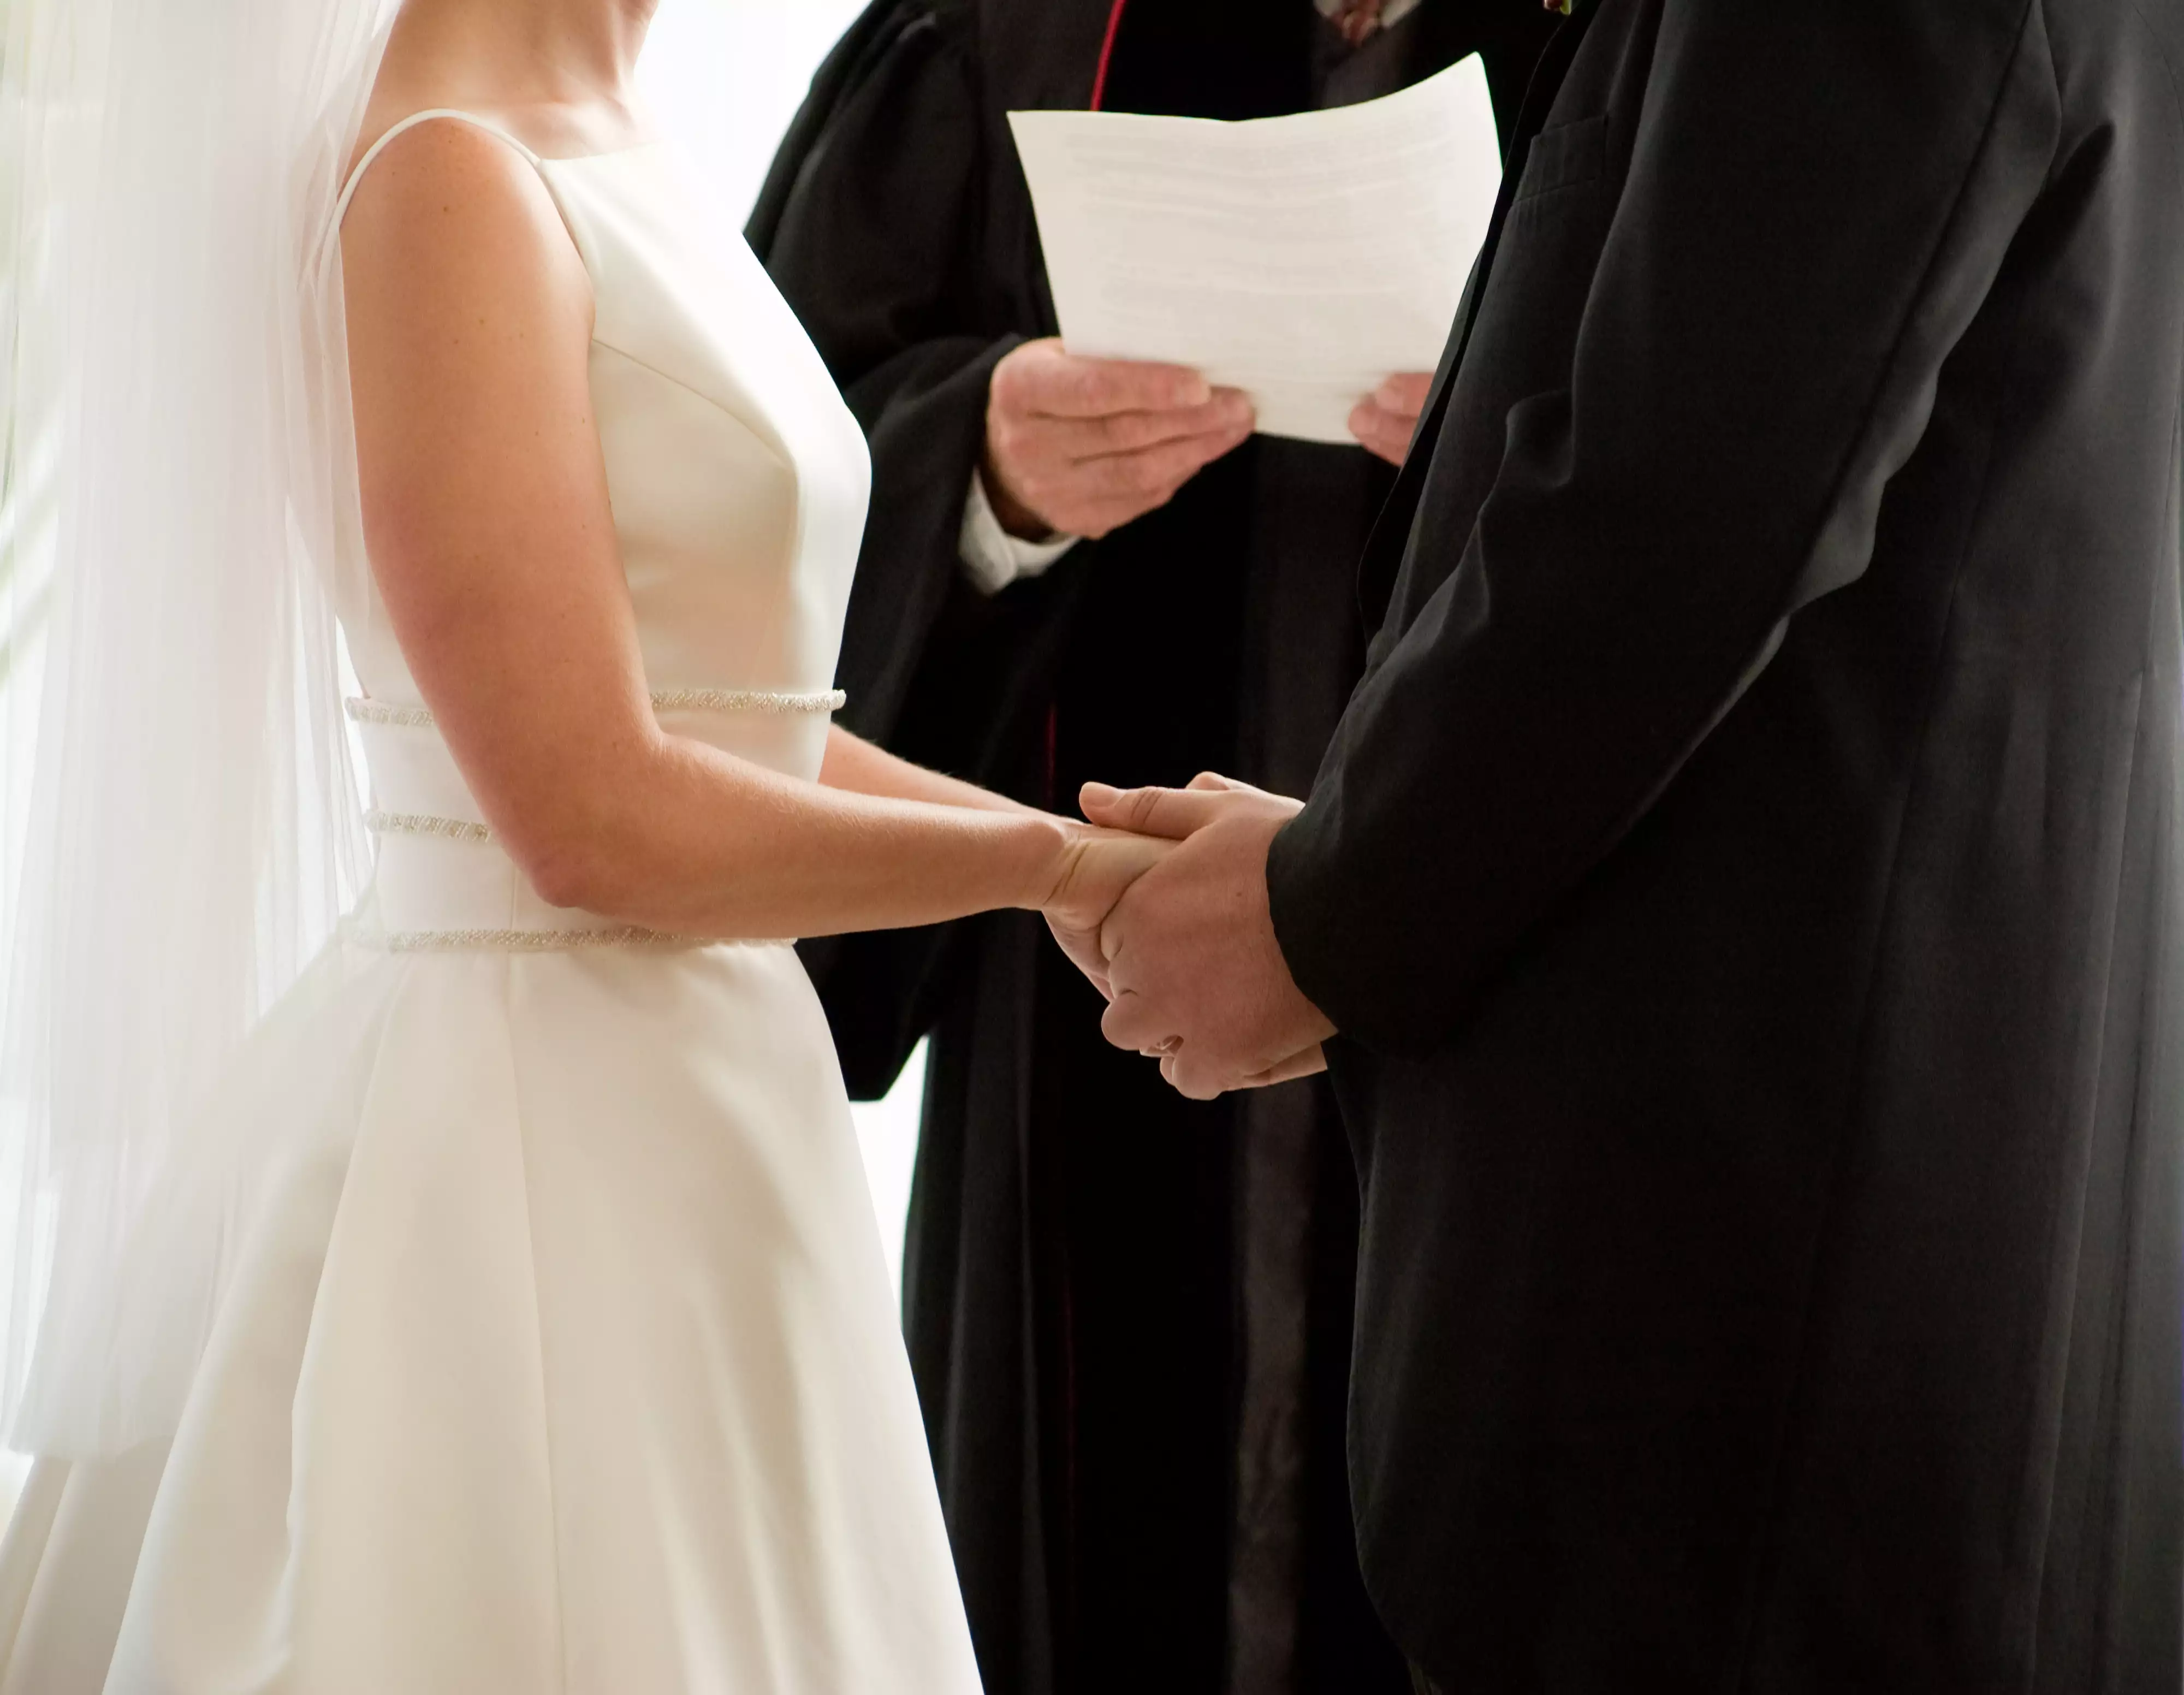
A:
[1746,878]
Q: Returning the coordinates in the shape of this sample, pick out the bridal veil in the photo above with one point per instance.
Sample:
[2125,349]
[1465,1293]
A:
[178,497]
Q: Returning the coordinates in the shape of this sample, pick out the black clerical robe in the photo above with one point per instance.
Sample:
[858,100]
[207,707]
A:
[1746,877]
[1130,1315]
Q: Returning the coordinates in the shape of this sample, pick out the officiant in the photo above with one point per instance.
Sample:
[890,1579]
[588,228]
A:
[1129,1314]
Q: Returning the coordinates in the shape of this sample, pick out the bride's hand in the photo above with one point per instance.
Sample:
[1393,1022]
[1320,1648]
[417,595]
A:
[1097,867]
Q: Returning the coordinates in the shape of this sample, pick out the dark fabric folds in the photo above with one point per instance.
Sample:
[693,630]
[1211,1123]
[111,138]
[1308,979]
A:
[1129,1314]
[1747,876]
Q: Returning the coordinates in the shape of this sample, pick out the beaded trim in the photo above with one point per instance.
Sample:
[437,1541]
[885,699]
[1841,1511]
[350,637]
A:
[379,712]
[773,700]
[766,700]
[528,941]
[425,824]
[540,941]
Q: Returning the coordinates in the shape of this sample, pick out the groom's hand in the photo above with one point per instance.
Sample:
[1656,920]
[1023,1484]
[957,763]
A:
[1082,446]
[1195,976]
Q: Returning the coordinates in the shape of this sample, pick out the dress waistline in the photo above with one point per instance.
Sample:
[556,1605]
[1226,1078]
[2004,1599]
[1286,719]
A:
[443,883]
[366,932]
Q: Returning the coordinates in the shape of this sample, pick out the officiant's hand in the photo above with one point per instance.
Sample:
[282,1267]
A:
[1082,446]
[1193,973]
[1385,420]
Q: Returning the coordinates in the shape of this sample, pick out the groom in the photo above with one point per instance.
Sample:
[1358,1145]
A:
[1746,880]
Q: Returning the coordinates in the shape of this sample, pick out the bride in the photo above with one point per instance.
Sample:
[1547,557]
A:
[502,1310]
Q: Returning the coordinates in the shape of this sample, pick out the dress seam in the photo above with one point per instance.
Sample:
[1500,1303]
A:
[539,1327]
[772,452]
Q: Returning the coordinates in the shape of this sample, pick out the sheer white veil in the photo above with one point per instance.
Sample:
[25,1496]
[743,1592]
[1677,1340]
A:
[176,497]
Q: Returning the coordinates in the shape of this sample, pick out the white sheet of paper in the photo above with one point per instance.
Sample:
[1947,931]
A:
[1301,259]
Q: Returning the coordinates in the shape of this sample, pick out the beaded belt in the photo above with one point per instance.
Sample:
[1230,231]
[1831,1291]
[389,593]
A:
[444,885]
[363,711]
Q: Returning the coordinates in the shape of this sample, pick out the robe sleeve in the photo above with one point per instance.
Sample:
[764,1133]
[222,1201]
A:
[868,223]
[1744,385]
[875,224]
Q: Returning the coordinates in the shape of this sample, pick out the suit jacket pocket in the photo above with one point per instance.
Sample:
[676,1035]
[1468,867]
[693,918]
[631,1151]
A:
[1563,157]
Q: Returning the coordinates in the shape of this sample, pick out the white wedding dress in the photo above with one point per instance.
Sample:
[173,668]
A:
[555,1350]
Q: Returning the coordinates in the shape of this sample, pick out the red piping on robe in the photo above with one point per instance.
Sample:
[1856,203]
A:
[1107,52]
[1098,95]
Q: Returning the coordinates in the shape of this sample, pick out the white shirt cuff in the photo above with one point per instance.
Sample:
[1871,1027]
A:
[991,558]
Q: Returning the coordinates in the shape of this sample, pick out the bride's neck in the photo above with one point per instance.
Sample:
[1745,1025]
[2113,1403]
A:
[552,51]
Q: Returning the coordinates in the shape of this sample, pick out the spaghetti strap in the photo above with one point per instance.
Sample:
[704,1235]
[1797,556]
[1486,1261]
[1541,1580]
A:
[371,153]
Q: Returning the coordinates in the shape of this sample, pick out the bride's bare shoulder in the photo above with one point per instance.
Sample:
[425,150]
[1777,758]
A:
[447,187]
[450,227]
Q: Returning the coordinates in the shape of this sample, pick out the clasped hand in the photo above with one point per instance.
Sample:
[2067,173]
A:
[1185,953]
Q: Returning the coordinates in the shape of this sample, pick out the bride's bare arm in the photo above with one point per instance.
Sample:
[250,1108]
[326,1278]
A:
[487,517]
[855,764]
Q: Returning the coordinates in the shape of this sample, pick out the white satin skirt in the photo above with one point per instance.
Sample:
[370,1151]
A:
[558,1355]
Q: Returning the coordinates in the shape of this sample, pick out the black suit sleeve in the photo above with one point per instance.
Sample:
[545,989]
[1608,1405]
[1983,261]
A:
[1818,198]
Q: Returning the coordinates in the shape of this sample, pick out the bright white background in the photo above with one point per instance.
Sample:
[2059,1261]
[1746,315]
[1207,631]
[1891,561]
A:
[724,77]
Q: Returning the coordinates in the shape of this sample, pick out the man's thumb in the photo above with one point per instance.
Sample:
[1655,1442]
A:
[1173,813]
